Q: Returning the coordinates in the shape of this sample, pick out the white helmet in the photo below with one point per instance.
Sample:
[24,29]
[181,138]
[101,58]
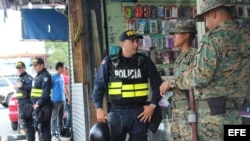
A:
[65,134]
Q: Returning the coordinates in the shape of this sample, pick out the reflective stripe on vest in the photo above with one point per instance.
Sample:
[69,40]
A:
[36,92]
[19,95]
[128,90]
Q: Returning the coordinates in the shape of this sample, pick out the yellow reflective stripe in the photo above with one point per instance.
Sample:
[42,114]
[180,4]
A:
[115,84]
[128,94]
[141,86]
[141,93]
[127,87]
[135,93]
[19,94]
[115,91]
[36,93]
[135,86]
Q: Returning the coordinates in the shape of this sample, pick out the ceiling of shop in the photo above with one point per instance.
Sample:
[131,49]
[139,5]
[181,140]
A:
[19,4]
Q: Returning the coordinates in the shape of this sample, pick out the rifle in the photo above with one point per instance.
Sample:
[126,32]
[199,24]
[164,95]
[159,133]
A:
[192,115]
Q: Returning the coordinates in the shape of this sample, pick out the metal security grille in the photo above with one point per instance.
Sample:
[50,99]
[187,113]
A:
[80,120]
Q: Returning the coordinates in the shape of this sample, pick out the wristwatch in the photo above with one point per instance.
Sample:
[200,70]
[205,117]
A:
[153,105]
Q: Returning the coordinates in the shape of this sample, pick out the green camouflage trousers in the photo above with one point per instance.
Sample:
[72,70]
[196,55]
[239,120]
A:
[180,128]
[210,127]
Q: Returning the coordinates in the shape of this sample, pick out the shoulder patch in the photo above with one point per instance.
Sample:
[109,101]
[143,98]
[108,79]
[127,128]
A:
[30,78]
[114,59]
[45,79]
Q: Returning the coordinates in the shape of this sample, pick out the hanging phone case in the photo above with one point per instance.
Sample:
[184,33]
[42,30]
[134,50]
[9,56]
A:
[138,11]
[153,12]
[146,11]
[127,12]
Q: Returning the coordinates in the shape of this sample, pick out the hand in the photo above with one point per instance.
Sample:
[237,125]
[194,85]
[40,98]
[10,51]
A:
[164,87]
[147,113]
[101,115]
[68,101]
[35,106]
[186,73]
[17,85]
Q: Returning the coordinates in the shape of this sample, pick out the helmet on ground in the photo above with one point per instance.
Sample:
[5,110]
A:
[65,134]
[99,132]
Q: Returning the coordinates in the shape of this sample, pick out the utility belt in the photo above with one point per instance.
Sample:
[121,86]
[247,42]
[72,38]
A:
[229,104]
[127,106]
[203,103]
[218,105]
[180,104]
[43,112]
[34,100]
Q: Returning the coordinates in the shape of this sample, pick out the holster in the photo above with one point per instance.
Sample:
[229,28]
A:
[217,105]
[26,110]
[42,114]
[155,120]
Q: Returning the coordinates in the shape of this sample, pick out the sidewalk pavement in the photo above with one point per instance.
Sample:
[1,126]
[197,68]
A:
[16,137]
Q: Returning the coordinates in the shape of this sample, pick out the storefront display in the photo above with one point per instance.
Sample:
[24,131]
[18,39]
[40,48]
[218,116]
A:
[153,19]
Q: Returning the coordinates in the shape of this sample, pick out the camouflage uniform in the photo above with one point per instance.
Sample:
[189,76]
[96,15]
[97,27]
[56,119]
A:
[180,128]
[221,68]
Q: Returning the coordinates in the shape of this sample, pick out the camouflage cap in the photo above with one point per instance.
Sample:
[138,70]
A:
[208,5]
[184,27]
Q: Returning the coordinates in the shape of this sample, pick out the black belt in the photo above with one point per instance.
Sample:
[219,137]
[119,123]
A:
[229,104]
[127,106]
[180,104]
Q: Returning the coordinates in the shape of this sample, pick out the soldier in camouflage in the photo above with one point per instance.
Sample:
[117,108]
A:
[183,36]
[220,75]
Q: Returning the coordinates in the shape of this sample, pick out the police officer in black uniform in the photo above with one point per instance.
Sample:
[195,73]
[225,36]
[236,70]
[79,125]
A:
[40,95]
[25,106]
[125,78]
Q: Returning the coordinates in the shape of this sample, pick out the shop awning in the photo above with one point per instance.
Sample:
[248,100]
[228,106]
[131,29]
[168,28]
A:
[44,24]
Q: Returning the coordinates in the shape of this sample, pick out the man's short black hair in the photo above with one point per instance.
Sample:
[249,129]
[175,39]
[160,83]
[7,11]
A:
[59,64]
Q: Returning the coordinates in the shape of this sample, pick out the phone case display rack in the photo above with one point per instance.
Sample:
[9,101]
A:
[155,22]
[242,12]
[153,19]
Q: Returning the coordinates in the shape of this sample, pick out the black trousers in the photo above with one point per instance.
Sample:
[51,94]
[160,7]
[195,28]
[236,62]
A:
[42,120]
[25,118]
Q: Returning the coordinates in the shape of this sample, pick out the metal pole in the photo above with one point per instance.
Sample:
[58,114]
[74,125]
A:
[193,111]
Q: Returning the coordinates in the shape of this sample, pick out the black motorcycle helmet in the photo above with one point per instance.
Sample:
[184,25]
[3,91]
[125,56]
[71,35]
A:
[106,131]
[99,132]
